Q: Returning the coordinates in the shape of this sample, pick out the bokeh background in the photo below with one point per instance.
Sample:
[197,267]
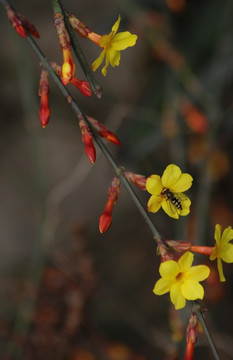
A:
[68,292]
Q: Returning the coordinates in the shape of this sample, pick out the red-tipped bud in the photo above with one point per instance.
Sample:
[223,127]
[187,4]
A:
[82,86]
[78,26]
[180,245]
[104,132]
[68,67]
[16,22]
[44,110]
[189,353]
[191,336]
[113,193]
[204,250]
[106,218]
[87,140]
[139,180]
[29,26]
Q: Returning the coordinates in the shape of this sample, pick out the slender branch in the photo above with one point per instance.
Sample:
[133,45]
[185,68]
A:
[197,309]
[103,148]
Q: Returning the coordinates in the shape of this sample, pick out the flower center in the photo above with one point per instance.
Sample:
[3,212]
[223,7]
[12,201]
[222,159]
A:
[179,277]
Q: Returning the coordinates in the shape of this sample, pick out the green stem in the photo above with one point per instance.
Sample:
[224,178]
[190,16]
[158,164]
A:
[99,142]
[58,8]
[198,311]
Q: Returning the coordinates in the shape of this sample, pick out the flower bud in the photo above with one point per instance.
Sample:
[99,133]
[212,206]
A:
[43,92]
[104,132]
[113,193]
[87,140]
[16,22]
[139,180]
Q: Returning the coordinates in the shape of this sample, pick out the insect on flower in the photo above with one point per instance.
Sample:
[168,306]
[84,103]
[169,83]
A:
[167,192]
[175,201]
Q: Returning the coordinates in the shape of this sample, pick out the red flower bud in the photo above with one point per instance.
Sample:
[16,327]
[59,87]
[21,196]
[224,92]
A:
[139,180]
[68,67]
[189,353]
[87,140]
[82,86]
[44,110]
[191,336]
[16,22]
[28,26]
[113,193]
[104,132]
[106,218]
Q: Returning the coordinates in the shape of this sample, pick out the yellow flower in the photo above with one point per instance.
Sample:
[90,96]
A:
[167,191]
[222,250]
[112,44]
[181,280]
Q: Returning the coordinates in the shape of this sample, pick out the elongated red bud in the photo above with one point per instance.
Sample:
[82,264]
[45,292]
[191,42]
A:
[104,132]
[68,67]
[139,180]
[16,22]
[113,193]
[87,139]
[106,218]
[191,336]
[82,86]
[189,353]
[44,110]
[79,26]
[29,26]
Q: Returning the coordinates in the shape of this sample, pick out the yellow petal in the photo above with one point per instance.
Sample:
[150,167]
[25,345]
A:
[214,253]
[123,40]
[104,70]
[98,61]
[185,202]
[220,270]
[176,296]
[154,185]
[170,176]
[227,236]
[154,203]
[162,286]
[226,253]
[105,40]
[170,209]
[116,25]
[183,183]
[114,57]
[185,261]
[197,273]
[169,269]
[192,290]
[217,234]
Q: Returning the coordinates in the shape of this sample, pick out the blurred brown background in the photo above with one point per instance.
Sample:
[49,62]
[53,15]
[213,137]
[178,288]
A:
[68,292]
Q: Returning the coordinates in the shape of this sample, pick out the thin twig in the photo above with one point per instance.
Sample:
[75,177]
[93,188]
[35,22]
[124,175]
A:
[197,309]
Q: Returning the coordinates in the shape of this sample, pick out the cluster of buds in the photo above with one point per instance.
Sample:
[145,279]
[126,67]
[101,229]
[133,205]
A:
[87,136]
[191,336]
[68,67]
[82,85]
[20,23]
[44,110]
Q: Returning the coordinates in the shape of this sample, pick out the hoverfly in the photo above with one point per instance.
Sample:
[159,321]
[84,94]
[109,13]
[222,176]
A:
[175,201]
